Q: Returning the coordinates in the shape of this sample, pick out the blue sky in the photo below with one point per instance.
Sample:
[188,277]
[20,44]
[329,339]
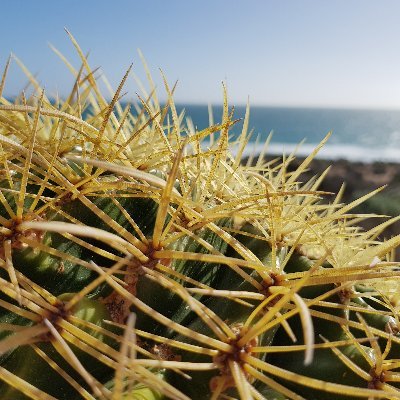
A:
[340,53]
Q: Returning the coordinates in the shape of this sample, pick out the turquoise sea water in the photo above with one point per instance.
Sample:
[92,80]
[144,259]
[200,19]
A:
[357,135]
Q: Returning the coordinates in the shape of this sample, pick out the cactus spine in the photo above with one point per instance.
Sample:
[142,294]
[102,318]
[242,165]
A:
[141,259]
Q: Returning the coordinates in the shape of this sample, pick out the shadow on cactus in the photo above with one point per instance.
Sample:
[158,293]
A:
[142,259]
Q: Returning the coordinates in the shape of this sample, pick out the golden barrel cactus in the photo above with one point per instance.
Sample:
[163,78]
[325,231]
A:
[141,258]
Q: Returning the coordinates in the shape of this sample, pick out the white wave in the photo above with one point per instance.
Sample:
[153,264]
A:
[330,151]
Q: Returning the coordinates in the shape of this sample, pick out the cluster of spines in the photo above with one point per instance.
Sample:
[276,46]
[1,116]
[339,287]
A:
[221,241]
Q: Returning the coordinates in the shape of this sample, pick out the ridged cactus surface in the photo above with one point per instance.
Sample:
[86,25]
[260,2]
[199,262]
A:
[142,259]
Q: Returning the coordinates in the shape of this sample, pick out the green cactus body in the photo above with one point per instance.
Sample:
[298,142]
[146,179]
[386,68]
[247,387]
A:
[143,392]
[27,363]
[201,384]
[140,391]
[326,362]
[167,302]
[235,315]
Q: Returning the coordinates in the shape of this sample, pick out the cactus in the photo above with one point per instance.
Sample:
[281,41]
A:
[141,258]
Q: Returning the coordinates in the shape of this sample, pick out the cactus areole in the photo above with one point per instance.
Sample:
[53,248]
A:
[143,259]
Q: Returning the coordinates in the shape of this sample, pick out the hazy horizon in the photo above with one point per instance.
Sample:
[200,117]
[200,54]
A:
[306,53]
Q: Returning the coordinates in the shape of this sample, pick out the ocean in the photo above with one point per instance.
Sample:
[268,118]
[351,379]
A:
[357,135]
